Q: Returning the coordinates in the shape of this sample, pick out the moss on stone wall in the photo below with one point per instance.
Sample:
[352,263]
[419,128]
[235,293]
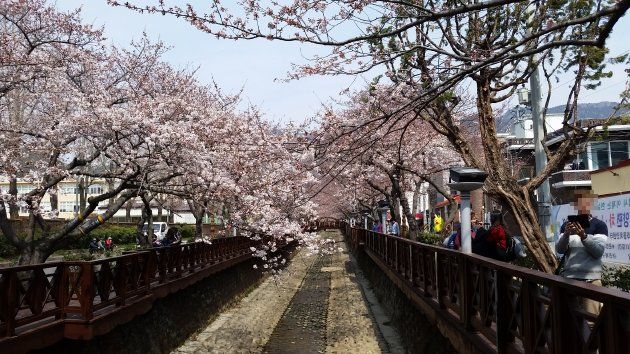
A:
[417,333]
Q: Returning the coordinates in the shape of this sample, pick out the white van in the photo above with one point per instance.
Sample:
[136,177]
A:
[159,229]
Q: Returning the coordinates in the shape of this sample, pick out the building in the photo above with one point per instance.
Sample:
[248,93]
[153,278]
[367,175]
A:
[67,195]
[612,181]
[69,201]
[609,146]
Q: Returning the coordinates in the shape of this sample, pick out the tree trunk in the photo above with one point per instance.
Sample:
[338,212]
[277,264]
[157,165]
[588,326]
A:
[14,210]
[128,208]
[159,211]
[147,217]
[82,189]
[526,217]
[149,221]
[110,187]
[199,227]
[34,254]
[501,182]
[476,201]
[54,201]
[198,211]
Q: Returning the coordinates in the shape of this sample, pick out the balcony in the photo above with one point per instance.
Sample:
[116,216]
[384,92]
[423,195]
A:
[570,179]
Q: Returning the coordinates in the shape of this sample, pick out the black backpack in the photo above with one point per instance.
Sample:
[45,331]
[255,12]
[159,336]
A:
[480,244]
[509,253]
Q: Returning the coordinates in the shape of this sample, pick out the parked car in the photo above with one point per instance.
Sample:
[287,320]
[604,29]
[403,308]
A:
[159,229]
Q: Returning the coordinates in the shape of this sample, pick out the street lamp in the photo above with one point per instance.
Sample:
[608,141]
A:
[465,180]
[523,96]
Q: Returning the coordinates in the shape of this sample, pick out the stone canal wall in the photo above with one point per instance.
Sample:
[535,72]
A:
[174,318]
[417,333]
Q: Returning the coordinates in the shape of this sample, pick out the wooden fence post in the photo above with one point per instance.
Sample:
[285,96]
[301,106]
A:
[504,308]
[87,290]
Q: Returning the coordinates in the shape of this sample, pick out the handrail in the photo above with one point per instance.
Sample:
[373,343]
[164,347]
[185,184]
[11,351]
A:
[75,293]
[497,306]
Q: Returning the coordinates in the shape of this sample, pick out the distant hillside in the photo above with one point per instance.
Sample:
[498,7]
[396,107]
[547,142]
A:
[590,110]
[585,110]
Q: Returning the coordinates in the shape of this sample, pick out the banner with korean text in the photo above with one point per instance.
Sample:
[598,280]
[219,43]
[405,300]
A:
[615,212]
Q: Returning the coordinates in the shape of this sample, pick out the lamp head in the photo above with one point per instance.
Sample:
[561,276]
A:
[523,96]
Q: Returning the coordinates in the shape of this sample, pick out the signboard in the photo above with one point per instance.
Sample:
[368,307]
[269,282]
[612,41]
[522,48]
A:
[615,212]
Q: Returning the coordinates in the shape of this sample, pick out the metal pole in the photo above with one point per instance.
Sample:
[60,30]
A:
[543,191]
[384,222]
[465,222]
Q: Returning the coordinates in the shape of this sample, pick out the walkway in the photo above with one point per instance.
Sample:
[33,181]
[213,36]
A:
[315,306]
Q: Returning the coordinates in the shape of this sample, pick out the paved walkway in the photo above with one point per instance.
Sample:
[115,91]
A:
[315,306]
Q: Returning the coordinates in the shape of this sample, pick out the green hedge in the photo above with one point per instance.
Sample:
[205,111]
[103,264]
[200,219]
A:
[618,277]
[188,231]
[119,234]
[430,238]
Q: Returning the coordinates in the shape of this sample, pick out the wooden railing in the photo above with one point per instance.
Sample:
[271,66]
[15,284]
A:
[493,306]
[323,224]
[81,299]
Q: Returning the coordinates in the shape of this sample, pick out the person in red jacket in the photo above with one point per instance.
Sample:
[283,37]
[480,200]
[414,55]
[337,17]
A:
[498,236]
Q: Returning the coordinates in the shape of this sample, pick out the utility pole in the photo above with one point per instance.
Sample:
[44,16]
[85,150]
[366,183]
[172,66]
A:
[543,192]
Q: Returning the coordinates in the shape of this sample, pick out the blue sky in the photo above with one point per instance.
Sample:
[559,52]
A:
[255,65]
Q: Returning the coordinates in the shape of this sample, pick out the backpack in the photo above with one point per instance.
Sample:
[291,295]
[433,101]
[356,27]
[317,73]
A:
[480,244]
[509,253]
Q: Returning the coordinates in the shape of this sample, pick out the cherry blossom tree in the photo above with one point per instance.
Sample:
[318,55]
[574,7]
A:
[73,108]
[365,156]
[435,49]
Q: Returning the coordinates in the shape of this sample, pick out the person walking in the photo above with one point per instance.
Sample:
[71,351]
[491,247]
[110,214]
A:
[582,243]
[394,228]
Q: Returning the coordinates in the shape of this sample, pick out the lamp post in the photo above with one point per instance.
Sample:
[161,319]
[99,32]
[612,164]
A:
[383,208]
[465,180]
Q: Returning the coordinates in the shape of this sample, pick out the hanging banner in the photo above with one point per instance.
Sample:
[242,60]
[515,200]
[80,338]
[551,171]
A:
[615,212]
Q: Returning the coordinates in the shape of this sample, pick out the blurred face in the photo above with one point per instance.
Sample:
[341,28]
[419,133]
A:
[584,202]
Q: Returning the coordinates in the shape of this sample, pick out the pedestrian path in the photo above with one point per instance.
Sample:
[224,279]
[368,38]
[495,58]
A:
[315,306]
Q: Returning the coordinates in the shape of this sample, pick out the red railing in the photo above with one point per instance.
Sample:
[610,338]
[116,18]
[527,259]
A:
[76,295]
[499,307]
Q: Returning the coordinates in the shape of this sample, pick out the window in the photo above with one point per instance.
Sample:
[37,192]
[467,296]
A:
[607,154]
[45,206]
[95,189]
[599,155]
[24,188]
[68,189]
[580,162]
[618,152]
[67,207]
